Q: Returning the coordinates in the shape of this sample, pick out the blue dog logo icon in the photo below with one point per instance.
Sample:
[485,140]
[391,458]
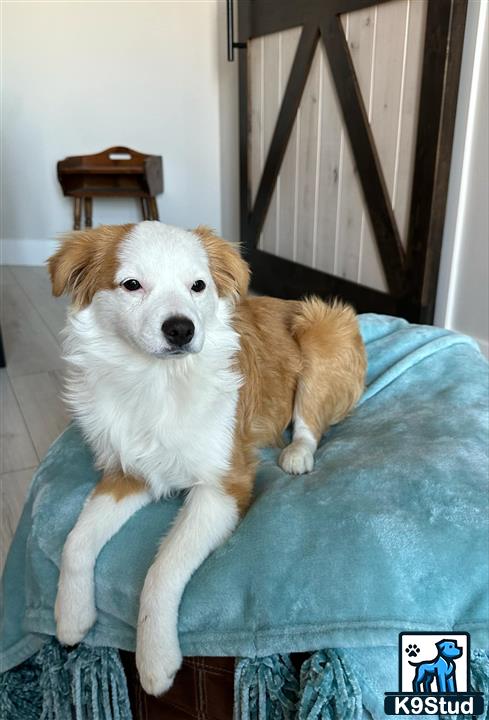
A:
[438,686]
[442,669]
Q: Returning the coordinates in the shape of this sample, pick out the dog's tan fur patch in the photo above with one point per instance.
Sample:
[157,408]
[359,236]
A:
[270,361]
[230,272]
[333,363]
[119,485]
[240,480]
[305,355]
[86,262]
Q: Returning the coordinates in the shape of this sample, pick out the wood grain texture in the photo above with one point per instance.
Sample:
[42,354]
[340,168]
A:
[288,116]
[16,448]
[359,28]
[29,345]
[329,151]
[307,166]
[387,75]
[356,119]
[362,259]
[270,60]
[36,284]
[387,72]
[317,214]
[287,178]
[31,414]
[406,136]
[427,53]
[43,411]
[13,491]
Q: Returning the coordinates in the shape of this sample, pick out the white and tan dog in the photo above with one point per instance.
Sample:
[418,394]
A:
[176,377]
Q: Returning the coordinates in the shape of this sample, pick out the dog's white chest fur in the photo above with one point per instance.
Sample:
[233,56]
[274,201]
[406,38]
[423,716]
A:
[169,421]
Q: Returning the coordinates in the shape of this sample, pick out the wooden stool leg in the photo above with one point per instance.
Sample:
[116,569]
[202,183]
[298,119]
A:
[153,208]
[77,221]
[88,212]
[144,208]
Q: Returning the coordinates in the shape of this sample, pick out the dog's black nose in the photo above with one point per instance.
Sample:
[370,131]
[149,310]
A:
[178,330]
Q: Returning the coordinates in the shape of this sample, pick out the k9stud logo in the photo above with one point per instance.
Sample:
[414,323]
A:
[434,676]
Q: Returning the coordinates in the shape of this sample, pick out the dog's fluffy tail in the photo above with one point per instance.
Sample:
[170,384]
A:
[334,362]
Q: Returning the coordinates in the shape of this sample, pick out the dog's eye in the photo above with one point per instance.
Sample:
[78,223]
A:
[198,286]
[131,284]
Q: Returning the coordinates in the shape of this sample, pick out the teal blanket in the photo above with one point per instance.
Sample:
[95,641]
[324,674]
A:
[390,532]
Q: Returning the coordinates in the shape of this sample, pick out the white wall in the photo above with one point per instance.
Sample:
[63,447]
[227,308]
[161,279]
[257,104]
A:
[463,289]
[81,76]
[228,130]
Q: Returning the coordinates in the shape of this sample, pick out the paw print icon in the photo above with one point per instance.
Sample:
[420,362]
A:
[412,650]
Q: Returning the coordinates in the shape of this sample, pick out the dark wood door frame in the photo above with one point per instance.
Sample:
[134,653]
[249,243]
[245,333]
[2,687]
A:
[411,273]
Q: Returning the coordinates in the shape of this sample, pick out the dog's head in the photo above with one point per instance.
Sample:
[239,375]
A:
[449,649]
[155,285]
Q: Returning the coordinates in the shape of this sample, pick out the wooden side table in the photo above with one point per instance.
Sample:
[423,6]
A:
[115,172]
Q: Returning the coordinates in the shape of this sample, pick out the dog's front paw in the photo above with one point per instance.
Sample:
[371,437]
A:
[296,458]
[158,656]
[74,609]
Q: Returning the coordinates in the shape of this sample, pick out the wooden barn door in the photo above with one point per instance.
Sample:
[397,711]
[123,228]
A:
[346,122]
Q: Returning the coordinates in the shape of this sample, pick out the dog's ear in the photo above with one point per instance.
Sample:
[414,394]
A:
[229,271]
[86,262]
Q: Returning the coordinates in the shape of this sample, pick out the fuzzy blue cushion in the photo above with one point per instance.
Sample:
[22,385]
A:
[390,532]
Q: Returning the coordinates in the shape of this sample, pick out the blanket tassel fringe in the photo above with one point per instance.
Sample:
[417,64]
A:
[265,688]
[89,684]
[271,689]
[324,688]
[57,684]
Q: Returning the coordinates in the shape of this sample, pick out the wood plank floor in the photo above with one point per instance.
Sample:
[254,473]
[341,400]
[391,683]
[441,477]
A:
[31,413]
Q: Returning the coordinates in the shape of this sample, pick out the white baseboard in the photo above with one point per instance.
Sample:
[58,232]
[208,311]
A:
[26,252]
